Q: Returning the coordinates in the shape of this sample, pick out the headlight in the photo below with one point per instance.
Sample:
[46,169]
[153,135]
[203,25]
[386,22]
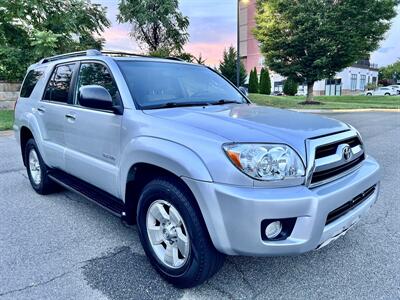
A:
[266,161]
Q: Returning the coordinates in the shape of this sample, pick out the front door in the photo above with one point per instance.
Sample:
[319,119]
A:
[93,136]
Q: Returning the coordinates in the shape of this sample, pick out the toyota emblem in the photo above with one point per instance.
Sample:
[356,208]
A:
[347,153]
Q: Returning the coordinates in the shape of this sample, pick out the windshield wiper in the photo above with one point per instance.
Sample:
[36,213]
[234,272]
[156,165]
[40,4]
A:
[225,101]
[176,104]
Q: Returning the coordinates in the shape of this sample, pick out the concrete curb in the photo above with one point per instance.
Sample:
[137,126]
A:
[327,111]
[6,132]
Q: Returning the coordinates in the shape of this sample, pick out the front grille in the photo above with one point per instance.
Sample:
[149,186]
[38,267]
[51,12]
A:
[330,149]
[325,175]
[345,208]
[330,160]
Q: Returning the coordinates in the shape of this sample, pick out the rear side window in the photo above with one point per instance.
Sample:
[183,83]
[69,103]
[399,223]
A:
[58,88]
[30,82]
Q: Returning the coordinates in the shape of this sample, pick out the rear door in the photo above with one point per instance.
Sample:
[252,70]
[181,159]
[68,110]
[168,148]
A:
[92,135]
[57,98]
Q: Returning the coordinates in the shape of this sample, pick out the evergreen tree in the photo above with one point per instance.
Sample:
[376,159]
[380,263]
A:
[265,82]
[227,66]
[253,82]
[290,87]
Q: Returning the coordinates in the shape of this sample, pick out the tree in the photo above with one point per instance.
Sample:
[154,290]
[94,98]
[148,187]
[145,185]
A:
[199,60]
[390,73]
[265,82]
[156,24]
[310,40]
[227,66]
[290,87]
[253,82]
[30,30]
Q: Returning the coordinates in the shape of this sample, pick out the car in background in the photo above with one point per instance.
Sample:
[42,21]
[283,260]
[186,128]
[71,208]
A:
[396,87]
[382,91]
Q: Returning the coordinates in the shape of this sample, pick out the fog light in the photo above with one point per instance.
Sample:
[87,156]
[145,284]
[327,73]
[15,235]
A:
[273,229]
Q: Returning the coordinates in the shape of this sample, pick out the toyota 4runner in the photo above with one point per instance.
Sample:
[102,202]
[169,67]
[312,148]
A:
[177,149]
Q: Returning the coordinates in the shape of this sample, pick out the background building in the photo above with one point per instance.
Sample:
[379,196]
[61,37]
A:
[350,81]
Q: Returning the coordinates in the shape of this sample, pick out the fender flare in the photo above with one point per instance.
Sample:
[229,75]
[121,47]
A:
[29,121]
[171,156]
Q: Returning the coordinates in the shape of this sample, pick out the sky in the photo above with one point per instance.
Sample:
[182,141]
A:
[213,28]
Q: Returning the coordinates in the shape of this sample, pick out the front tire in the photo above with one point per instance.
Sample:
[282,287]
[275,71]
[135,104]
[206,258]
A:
[37,170]
[173,234]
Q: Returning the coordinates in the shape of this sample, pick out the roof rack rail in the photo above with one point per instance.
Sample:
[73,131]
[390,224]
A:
[121,53]
[94,52]
[175,58]
[90,52]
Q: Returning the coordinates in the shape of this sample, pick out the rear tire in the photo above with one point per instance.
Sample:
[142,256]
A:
[37,170]
[201,260]
[387,94]
[369,94]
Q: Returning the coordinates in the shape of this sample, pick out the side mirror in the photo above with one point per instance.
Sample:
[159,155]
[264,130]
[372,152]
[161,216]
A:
[95,96]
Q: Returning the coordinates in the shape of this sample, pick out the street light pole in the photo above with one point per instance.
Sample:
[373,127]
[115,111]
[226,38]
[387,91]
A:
[238,46]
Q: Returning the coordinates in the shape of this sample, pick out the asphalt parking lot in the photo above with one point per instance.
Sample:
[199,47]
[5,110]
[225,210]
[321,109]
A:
[64,247]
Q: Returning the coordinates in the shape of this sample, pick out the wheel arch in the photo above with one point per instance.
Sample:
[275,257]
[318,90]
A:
[147,157]
[141,174]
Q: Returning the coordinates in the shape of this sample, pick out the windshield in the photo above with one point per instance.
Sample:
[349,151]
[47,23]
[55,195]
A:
[162,84]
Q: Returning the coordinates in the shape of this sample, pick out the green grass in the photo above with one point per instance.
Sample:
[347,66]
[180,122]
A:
[329,102]
[6,119]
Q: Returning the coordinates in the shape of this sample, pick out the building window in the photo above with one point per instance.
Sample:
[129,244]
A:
[363,79]
[278,86]
[333,87]
[353,83]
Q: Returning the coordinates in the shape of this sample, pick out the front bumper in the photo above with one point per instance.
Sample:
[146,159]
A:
[233,214]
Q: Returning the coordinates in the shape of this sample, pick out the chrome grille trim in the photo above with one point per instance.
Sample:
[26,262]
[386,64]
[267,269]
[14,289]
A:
[331,161]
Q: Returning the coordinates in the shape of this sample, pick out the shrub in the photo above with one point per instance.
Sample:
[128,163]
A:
[265,82]
[253,82]
[290,87]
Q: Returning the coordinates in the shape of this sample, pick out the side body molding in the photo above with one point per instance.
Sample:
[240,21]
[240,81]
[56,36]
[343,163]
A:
[171,156]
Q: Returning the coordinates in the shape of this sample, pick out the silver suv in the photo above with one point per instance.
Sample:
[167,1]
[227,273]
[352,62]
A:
[177,149]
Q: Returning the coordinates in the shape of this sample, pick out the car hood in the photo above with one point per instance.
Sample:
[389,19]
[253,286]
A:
[252,123]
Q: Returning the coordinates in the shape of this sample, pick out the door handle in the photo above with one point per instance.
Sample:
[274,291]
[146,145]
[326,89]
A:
[70,117]
[41,110]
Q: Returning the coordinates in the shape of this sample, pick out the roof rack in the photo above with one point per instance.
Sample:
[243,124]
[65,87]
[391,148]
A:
[174,58]
[90,52]
[94,52]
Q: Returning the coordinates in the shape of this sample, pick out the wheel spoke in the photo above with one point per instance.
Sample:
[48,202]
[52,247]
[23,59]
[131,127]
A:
[155,234]
[182,242]
[174,216]
[159,213]
[171,255]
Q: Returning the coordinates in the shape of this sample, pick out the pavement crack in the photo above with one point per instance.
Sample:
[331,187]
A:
[12,170]
[80,265]
[243,275]
[34,285]
[105,257]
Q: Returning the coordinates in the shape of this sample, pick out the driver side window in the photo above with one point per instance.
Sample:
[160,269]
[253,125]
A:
[91,73]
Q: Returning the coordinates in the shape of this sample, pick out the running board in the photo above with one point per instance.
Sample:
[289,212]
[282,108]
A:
[89,191]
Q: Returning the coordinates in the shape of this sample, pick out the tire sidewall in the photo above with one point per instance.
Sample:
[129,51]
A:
[151,193]
[29,146]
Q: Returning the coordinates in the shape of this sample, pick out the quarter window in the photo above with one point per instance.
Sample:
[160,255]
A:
[59,85]
[30,82]
[98,74]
